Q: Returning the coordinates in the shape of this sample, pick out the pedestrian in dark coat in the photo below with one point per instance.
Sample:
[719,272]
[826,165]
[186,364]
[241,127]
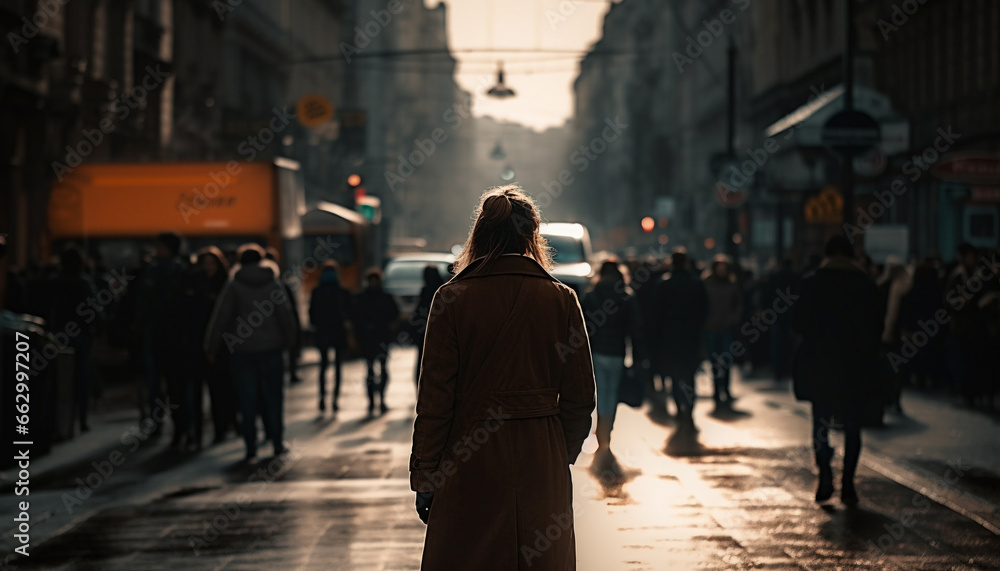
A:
[159,322]
[504,402]
[892,287]
[783,285]
[213,270]
[725,313]
[646,279]
[376,313]
[969,328]
[683,308]
[329,308]
[432,281]
[253,320]
[195,303]
[989,302]
[612,320]
[918,315]
[72,289]
[838,315]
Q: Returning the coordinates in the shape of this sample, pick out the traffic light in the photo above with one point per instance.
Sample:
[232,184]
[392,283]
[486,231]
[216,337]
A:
[354,183]
[370,207]
[648,224]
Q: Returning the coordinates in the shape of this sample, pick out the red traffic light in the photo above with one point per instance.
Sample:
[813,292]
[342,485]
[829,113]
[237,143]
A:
[354,180]
[359,193]
[648,224]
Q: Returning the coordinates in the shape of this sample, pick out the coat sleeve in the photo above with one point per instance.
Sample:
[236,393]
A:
[737,303]
[288,317]
[577,389]
[636,330]
[802,316]
[435,395]
[313,307]
[222,316]
[701,303]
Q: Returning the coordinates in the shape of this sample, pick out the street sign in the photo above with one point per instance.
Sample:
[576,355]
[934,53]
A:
[970,167]
[851,133]
[990,194]
[825,208]
[314,110]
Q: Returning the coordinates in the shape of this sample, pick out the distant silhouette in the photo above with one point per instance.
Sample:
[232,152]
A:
[837,366]
[683,307]
[72,289]
[159,321]
[376,312]
[919,306]
[432,281]
[725,313]
[253,320]
[214,268]
[969,348]
[646,279]
[195,304]
[782,284]
[893,286]
[504,401]
[329,310]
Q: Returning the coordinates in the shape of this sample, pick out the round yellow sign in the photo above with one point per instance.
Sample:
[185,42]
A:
[314,110]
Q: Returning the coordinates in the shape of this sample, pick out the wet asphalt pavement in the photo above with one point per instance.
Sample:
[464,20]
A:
[736,494]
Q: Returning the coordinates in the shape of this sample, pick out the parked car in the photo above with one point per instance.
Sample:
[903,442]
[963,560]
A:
[404,276]
[572,254]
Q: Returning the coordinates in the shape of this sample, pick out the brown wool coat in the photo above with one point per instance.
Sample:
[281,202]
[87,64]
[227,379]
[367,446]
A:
[503,494]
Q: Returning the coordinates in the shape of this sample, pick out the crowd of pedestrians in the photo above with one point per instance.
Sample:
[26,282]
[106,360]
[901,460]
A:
[850,333]
[936,323]
[221,323]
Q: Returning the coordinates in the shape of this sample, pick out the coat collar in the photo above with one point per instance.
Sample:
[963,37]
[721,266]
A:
[504,265]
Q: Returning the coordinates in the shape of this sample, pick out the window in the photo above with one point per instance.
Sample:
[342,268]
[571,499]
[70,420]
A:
[567,250]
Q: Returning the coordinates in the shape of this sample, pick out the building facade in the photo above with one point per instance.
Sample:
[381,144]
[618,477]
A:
[661,68]
[88,80]
[928,73]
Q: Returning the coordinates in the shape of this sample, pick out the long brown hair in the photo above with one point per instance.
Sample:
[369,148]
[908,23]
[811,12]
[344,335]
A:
[507,222]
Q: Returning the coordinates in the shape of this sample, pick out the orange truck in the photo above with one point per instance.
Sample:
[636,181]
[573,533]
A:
[115,210]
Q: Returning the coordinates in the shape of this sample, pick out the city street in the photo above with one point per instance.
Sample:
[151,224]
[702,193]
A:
[531,191]
[736,495]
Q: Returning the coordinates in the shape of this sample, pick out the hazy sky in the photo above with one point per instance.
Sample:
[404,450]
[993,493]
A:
[543,80]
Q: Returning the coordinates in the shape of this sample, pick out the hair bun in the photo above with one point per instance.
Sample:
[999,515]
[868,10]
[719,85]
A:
[497,208]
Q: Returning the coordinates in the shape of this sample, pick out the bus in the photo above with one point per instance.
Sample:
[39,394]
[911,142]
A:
[348,235]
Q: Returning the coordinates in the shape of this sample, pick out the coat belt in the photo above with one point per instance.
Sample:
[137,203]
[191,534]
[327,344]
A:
[532,403]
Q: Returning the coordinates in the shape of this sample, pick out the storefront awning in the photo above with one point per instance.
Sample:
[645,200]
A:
[806,122]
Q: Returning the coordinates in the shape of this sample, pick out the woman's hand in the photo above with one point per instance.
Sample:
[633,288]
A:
[424,500]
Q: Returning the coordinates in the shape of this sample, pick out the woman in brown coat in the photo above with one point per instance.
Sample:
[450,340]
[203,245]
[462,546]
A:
[504,403]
